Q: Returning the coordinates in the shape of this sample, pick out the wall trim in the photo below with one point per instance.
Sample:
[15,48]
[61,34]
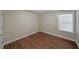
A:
[59,35]
[19,38]
[77,43]
[44,32]
[63,37]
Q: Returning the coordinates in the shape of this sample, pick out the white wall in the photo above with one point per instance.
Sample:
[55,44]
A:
[1,22]
[1,32]
[50,24]
[18,24]
[77,26]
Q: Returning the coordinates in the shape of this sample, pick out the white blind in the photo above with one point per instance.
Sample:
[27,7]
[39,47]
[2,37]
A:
[66,22]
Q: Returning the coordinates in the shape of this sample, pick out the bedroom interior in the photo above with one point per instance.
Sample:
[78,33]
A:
[40,29]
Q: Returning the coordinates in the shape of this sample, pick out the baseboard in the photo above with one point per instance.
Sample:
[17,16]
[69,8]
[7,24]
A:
[40,31]
[59,36]
[19,38]
[63,37]
[77,40]
[77,43]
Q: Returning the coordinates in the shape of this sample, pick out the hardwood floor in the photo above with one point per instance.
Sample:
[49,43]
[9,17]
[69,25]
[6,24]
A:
[42,41]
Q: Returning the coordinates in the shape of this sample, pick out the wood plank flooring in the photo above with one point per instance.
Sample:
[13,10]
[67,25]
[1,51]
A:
[42,40]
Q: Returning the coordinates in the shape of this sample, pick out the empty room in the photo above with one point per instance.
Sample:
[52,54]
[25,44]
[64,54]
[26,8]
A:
[39,29]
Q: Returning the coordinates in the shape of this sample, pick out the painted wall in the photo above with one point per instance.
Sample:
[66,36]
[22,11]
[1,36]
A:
[1,32]
[49,24]
[19,23]
[77,26]
[1,23]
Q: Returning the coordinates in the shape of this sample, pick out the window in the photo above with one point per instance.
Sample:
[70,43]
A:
[65,22]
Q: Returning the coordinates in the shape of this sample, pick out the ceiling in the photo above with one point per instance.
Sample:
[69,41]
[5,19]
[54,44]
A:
[42,11]
[46,11]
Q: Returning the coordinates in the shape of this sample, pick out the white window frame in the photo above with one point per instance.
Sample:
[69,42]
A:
[62,26]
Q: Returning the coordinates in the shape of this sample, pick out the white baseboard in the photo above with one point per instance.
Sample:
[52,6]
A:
[44,32]
[63,37]
[77,43]
[59,36]
[19,38]
[77,40]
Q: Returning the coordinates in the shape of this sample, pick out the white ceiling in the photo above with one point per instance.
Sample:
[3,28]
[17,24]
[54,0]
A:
[42,11]
[46,11]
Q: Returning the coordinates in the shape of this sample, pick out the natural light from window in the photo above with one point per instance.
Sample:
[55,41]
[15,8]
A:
[65,22]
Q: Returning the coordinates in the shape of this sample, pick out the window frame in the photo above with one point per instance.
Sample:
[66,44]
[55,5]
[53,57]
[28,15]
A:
[72,23]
